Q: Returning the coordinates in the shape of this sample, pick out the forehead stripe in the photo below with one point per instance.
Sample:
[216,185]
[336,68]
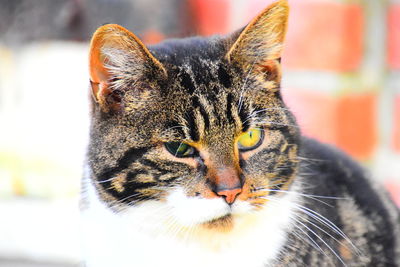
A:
[186,82]
[192,126]
[229,115]
[223,77]
[196,104]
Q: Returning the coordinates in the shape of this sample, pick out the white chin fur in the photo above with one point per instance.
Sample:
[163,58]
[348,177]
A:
[166,233]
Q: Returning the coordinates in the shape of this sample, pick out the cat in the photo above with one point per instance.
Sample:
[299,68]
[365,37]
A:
[194,160]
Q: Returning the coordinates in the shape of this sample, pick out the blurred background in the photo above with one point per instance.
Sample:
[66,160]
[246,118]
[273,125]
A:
[341,64]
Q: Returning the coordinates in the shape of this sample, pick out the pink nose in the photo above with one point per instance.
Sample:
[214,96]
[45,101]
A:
[230,195]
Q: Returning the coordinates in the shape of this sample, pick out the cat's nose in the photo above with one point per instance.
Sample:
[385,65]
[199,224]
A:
[227,183]
[229,195]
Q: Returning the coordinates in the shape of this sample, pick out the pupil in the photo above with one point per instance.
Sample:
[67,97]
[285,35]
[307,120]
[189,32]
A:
[178,149]
[182,148]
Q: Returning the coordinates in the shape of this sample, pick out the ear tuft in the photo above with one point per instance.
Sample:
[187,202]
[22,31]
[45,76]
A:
[262,39]
[117,58]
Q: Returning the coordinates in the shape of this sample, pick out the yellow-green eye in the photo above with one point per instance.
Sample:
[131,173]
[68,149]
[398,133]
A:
[180,150]
[251,139]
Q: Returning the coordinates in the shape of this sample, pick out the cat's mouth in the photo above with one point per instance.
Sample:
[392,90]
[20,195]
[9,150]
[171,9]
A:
[223,223]
[208,214]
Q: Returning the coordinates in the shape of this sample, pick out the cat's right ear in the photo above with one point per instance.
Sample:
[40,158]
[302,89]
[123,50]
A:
[117,60]
[260,43]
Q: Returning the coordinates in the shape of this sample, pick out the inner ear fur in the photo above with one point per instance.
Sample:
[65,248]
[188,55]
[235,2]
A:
[116,55]
[260,43]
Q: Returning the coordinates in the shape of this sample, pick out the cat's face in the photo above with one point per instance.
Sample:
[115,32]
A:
[197,125]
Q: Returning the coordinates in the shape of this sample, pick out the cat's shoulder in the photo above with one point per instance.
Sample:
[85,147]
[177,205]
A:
[329,159]
[329,171]
[363,205]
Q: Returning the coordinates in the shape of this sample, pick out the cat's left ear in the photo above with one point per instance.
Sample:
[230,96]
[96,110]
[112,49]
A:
[261,41]
[117,60]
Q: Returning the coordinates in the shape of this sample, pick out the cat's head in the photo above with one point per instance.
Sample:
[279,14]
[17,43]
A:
[197,125]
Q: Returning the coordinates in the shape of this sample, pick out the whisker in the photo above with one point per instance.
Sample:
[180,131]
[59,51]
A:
[254,113]
[306,195]
[244,86]
[279,124]
[181,143]
[315,234]
[312,243]
[313,197]
[175,127]
[266,121]
[310,159]
[328,223]
[323,230]
[323,241]
[107,180]
[325,222]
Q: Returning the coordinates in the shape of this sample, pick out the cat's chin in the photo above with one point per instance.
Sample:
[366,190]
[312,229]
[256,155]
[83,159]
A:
[221,224]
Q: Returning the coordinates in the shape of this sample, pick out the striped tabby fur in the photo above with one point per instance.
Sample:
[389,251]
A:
[289,201]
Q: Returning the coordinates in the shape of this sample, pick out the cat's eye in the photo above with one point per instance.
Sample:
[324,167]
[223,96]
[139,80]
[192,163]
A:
[250,139]
[180,150]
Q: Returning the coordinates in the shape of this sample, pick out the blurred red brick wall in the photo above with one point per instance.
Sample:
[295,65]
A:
[394,36]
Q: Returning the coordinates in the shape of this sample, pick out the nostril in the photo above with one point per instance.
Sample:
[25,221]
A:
[230,195]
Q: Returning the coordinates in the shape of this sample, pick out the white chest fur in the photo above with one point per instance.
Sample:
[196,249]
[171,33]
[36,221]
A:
[155,234]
